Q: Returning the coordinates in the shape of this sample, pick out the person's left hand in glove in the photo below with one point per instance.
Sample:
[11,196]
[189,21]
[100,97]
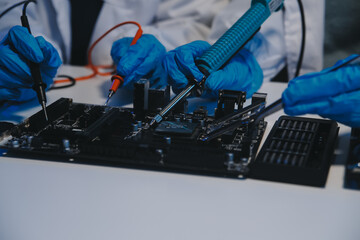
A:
[241,73]
[333,94]
[141,60]
[17,48]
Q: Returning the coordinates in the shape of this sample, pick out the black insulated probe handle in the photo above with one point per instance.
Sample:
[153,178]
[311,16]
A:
[38,86]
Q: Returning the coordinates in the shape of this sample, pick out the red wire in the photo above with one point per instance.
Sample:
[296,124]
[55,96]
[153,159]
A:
[95,69]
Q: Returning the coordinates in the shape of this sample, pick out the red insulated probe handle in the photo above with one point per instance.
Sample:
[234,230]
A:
[117,79]
[117,82]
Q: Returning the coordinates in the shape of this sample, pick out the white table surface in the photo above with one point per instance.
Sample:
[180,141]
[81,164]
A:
[41,200]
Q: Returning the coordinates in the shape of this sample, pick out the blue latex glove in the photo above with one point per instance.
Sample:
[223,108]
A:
[16,49]
[241,73]
[141,60]
[331,94]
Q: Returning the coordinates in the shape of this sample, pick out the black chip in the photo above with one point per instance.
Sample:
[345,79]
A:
[181,128]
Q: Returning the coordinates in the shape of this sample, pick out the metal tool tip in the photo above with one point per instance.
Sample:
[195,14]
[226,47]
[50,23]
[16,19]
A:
[43,105]
[107,101]
[111,93]
[203,138]
[152,123]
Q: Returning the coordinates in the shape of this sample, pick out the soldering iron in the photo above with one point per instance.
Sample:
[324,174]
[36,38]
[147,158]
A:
[225,47]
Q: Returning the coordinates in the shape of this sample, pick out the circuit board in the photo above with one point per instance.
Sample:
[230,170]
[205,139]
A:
[93,134]
[226,144]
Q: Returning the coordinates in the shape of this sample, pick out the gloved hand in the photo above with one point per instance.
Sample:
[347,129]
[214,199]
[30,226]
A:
[141,60]
[16,49]
[241,73]
[331,94]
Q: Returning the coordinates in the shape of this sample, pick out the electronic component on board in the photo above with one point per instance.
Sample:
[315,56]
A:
[227,102]
[158,98]
[176,128]
[297,150]
[140,102]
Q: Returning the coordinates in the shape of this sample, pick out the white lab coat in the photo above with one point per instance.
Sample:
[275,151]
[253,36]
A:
[279,43]
[177,22]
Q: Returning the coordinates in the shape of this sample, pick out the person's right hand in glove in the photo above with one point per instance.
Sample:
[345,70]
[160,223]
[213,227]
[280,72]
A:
[241,73]
[141,60]
[16,49]
[333,94]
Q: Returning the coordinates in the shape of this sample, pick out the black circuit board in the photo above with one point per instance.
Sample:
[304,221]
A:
[92,134]
[297,150]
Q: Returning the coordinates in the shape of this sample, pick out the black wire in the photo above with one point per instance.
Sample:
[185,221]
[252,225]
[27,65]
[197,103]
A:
[71,79]
[303,29]
[25,6]
[12,7]
[26,3]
